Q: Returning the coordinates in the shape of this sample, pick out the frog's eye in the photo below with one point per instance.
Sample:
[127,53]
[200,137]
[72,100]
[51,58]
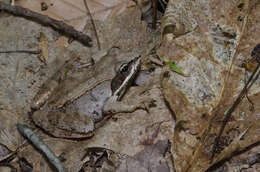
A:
[124,68]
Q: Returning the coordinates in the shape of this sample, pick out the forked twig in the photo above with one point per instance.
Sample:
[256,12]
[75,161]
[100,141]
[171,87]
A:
[48,21]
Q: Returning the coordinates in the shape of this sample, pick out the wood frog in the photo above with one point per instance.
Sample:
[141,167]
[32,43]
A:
[57,108]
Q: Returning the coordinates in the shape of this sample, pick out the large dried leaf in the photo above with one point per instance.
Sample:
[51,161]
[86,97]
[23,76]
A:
[76,14]
[206,39]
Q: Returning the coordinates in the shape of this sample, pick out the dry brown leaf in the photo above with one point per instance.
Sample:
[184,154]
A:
[206,39]
[74,12]
[9,136]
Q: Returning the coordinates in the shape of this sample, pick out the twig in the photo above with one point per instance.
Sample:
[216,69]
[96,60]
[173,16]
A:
[249,83]
[248,99]
[256,55]
[233,57]
[241,135]
[46,20]
[93,23]
[30,135]
[155,7]
[22,51]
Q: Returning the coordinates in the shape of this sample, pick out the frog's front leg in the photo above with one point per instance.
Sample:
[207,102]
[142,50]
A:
[113,107]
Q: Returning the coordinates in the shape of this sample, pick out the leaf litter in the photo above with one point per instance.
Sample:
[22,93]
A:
[32,73]
[206,43]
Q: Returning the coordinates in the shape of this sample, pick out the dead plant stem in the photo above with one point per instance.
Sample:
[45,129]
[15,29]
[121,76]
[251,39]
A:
[93,23]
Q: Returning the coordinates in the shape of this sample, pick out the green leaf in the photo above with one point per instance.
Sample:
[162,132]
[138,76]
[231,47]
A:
[175,68]
[225,113]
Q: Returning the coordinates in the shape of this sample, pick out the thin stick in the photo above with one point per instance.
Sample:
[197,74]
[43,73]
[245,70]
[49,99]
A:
[22,51]
[35,140]
[155,7]
[248,99]
[235,104]
[233,57]
[93,23]
[46,20]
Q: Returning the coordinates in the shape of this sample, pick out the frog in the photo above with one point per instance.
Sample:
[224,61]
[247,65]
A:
[53,107]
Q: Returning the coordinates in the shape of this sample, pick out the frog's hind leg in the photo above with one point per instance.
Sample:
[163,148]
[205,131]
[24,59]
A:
[63,125]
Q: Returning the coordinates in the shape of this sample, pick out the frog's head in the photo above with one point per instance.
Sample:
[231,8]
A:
[125,75]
